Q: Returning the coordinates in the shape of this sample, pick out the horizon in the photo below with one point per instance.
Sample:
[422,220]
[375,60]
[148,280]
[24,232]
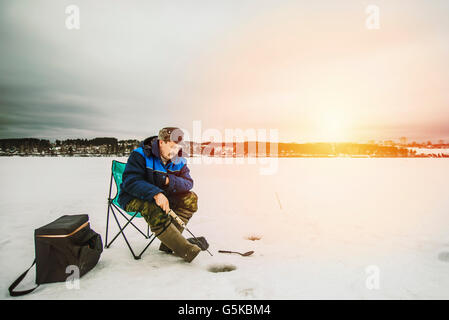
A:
[369,141]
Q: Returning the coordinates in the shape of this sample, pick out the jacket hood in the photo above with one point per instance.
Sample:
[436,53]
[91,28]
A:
[150,146]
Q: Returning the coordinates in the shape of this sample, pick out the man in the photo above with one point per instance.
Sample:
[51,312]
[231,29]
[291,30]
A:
[157,179]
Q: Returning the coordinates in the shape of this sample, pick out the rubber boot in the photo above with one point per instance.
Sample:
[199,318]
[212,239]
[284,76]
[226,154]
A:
[202,243]
[173,239]
[166,249]
[184,207]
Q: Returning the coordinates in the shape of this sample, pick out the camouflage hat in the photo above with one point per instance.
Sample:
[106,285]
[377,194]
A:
[171,134]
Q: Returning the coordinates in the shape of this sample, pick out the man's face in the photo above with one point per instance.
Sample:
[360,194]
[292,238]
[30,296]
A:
[168,149]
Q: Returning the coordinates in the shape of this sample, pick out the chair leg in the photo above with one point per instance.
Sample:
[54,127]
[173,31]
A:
[109,207]
[123,234]
[126,240]
[131,222]
[140,255]
[107,226]
[107,245]
[154,237]
[120,227]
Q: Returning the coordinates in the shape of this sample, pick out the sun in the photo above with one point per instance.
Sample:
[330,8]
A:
[332,126]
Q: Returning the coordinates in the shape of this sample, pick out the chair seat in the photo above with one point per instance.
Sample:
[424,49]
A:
[117,173]
[115,202]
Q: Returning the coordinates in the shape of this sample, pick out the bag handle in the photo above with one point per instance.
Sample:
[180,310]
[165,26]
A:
[16,283]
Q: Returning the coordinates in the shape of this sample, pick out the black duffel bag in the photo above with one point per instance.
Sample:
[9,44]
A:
[67,241]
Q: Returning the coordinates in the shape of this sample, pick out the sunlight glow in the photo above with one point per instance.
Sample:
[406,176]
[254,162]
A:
[332,126]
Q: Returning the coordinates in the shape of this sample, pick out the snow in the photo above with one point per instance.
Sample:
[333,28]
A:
[341,218]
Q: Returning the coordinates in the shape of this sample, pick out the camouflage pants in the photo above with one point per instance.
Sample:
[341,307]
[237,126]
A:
[184,205]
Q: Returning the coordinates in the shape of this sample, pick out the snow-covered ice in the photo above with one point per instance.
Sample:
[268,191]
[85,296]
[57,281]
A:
[341,220]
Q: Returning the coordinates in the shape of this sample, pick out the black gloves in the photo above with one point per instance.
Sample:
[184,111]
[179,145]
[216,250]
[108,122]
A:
[159,179]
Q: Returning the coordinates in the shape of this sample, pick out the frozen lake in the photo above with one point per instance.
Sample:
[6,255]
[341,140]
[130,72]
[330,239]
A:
[327,228]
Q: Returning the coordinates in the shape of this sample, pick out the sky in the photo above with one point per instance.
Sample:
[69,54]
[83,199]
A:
[311,70]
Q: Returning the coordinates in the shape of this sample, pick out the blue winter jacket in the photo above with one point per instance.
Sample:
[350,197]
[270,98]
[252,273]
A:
[145,174]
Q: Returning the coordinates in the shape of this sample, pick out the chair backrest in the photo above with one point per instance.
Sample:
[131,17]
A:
[117,172]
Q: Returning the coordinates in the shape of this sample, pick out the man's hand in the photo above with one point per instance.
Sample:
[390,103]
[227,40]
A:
[167,181]
[162,201]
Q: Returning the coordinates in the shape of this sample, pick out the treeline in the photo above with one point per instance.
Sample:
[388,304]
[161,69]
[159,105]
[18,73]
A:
[70,147]
[254,148]
[105,146]
[347,149]
[25,143]
[88,143]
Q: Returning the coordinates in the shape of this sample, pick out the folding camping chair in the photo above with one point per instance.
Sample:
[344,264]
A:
[113,206]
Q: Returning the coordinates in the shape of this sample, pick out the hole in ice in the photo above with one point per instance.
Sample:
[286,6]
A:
[247,292]
[444,256]
[254,237]
[221,268]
